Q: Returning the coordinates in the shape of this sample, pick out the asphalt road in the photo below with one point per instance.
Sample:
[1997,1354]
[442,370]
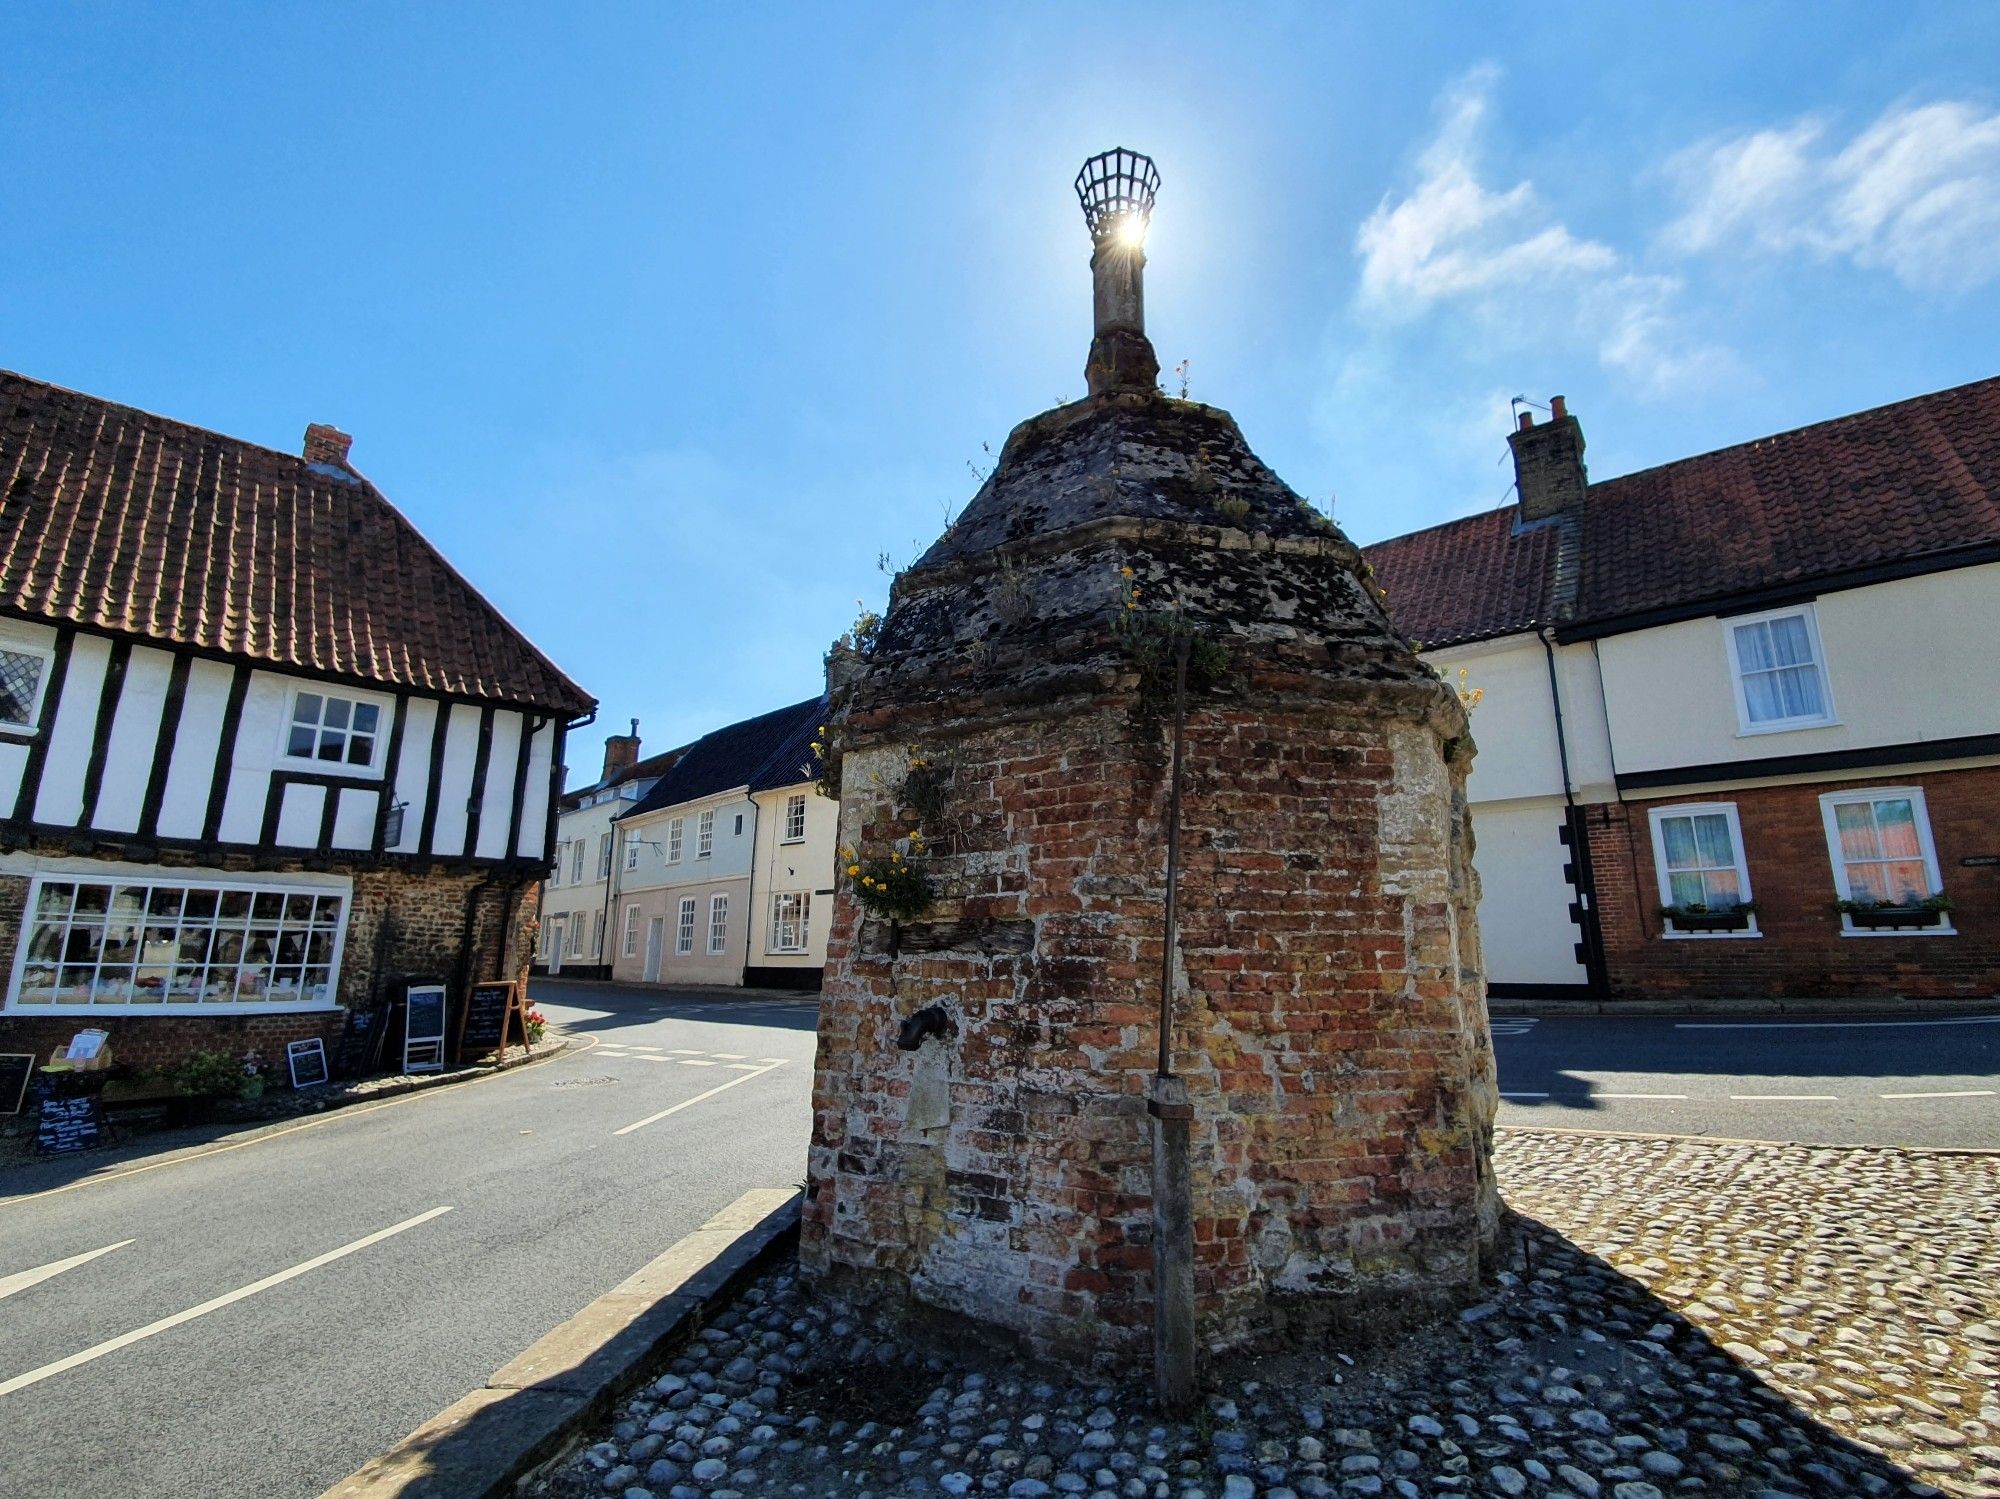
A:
[1818,1079]
[476,1217]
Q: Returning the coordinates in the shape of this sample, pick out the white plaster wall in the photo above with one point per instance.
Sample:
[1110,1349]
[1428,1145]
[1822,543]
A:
[412,771]
[196,747]
[1906,661]
[732,855]
[298,816]
[135,728]
[13,761]
[70,734]
[1514,725]
[496,808]
[461,749]
[533,842]
[1524,926]
[354,818]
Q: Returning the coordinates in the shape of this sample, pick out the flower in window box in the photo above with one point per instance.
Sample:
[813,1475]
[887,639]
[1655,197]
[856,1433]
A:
[1880,915]
[1695,916]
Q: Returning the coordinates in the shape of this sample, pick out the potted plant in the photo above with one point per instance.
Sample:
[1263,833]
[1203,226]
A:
[1695,916]
[1889,915]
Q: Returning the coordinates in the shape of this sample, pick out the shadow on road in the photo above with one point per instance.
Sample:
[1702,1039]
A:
[601,1008]
[1573,1060]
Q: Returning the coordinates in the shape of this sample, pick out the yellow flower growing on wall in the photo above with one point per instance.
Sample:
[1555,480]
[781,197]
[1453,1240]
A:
[852,870]
[1124,572]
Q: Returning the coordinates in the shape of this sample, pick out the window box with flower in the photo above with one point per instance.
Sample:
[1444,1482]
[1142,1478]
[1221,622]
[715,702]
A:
[1884,916]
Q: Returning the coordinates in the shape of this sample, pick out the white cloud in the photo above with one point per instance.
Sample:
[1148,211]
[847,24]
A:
[1500,258]
[1916,193]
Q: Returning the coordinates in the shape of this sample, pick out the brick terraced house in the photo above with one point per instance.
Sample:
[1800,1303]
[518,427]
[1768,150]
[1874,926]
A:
[263,753]
[1724,697]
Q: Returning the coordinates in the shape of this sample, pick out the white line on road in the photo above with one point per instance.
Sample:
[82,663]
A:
[1968,1093]
[21,1280]
[215,1304]
[1675,1097]
[691,1102]
[730,1056]
[1783,1098]
[693,1062]
[1823,1025]
[743,1067]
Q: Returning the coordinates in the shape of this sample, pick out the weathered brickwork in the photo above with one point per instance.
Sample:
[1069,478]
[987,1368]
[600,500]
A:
[1329,1002]
[401,925]
[1802,952]
[1339,1069]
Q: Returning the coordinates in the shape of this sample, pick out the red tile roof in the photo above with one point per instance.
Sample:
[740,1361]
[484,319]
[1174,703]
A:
[1468,579]
[1913,481]
[122,521]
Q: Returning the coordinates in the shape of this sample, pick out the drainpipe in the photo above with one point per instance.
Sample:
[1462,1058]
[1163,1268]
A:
[1579,841]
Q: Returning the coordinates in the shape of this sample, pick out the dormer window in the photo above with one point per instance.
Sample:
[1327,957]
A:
[330,730]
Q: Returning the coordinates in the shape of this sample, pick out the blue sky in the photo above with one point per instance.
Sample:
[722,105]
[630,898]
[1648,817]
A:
[666,322]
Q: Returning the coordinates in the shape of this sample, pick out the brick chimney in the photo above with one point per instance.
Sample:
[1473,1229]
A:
[326,444]
[621,752]
[1549,474]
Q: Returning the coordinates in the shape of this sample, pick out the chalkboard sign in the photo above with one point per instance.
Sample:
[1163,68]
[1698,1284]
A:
[308,1062]
[486,1016]
[16,1068]
[423,1029]
[357,1048]
[67,1124]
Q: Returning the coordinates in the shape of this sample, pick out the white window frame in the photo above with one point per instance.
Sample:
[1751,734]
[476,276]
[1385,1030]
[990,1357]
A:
[718,925]
[562,855]
[597,934]
[47,656]
[684,927]
[798,918]
[1921,812]
[632,844]
[704,835]
[576,862]
[1744,724]
[385,708]
[676,837]
[604,855]
[142,876]
[1663,876]
[629,943]
[795,816]
[576,934]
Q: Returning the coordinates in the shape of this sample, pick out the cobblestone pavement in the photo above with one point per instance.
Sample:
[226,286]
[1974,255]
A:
[1677,1316]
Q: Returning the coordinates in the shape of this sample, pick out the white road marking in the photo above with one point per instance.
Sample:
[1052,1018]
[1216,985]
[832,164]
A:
[1679,1097]
[1968,1093]
[638,1046]
[730,1056]
[1784,1098]
[661,1060]
[686,1051]
[745,1067]
[691,1102]
[1524,1095]
[693,1062]
[1824,1025]
[215,1304]
[21,1280]
[1512,1025]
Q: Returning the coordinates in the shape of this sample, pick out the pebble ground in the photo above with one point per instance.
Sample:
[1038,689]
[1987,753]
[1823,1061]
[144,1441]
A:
[1676,1317]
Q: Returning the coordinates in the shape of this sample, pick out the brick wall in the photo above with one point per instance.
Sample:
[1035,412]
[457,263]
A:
[1802,952]
[400,925]
[1329,1021]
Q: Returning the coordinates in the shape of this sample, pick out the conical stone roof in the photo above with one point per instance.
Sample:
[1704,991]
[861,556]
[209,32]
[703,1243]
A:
[1021,597]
